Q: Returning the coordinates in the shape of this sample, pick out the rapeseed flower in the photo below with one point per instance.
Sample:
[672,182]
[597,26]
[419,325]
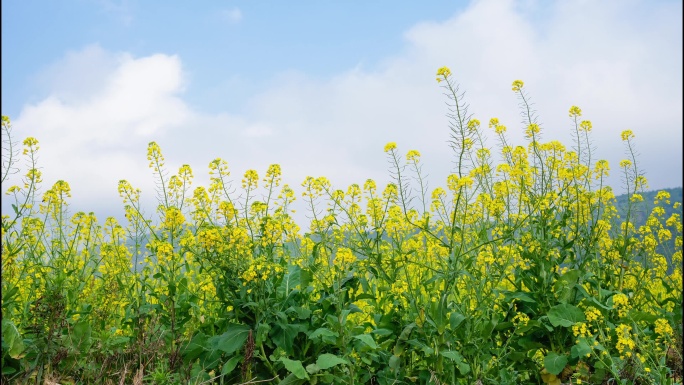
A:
[518,85]
[575,112]
[344,257]
[444,71]
[663,328]
[585,125]
[626,135]
[413,156]
[621,304]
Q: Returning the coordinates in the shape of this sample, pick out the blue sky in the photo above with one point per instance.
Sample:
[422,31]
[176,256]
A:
[233,43]
[320,86]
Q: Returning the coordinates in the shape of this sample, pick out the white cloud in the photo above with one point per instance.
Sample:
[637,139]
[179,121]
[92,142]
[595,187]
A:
[96,136]
[95,125]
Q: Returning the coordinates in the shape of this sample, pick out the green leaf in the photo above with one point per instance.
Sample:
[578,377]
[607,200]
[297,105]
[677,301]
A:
[198,374]
[394,362]
[230,365]
[312,368]
[195,347]
[452,355]
[519,295]
[407,331]
[428,351]
[327,360]
[295,367]
[323,332]
[291,279]
[232,340]
[262,333]
[455,356]
[456,319]
[489,327]
[565,285]
[12,338]
[555,363]
[581,349]
[7,294]
[284,334]
[438,313]
[638,316]
[565,315]
[6,370]
[291,379]
[300,312]
[570,276]
[368,340]
[82,332]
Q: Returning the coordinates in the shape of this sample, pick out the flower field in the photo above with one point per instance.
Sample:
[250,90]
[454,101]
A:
[518,271]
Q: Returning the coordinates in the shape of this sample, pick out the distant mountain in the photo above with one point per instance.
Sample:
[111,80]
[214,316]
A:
[641,210]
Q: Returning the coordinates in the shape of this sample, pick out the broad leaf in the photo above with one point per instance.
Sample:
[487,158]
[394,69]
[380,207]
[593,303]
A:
[82,332]
[295,367]
[565,315]
[581,349]
[13,339]
[455,356]
[232,340]
[283,335]
[195,347]
[323,332]
[554,363]
[230,365]
[455,320]
[327,360]
[394,362]
[368,340]
[291,280]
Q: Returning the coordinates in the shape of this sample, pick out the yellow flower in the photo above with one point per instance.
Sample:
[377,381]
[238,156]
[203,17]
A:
[625,342]
[663,328]
[250,180]
[518,85]
[592,314]
[444,71]
[521,319]
[390,146]
[30,141]
[575,112]
[413,156]
[627,135]
[344,257]
[621,304]
[601,168]
[585,126]
[531,130]
[580,329]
